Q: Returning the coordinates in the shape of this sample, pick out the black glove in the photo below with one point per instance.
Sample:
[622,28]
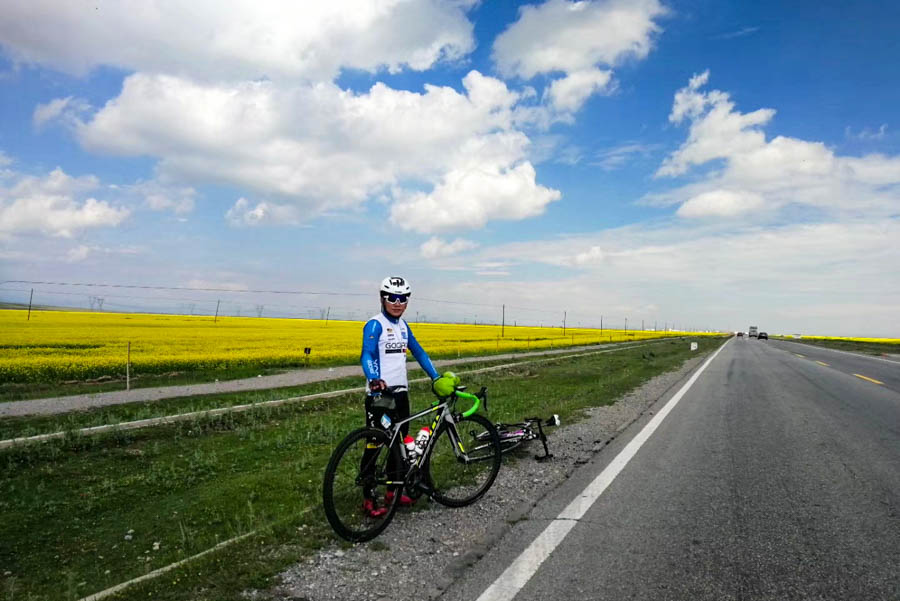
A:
[377,386]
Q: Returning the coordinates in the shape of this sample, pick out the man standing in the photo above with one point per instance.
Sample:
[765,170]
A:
[386,338]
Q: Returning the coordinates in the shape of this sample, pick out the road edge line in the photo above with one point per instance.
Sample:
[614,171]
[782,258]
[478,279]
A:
[520,571]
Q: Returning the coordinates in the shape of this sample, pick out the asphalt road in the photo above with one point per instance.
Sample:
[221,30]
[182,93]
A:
[774,477]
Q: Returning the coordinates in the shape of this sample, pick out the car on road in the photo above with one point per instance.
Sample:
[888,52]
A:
[763,336]
[740,334]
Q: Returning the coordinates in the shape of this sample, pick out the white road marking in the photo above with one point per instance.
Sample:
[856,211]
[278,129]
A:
[517,575]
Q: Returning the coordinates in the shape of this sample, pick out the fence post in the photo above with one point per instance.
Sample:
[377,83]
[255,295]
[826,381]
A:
[128,368]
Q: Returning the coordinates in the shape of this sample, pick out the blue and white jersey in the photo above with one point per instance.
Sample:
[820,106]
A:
[385,342]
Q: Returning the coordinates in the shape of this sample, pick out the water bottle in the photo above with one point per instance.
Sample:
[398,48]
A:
[422,438]
[411,450]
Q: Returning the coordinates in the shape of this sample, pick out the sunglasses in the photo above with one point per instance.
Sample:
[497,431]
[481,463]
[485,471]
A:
[397,298]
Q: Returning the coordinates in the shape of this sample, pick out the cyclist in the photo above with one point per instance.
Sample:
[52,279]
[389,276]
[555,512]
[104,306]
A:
[386,339]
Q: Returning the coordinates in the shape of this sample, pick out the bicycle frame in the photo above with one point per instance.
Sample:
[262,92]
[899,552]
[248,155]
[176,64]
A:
[444,414]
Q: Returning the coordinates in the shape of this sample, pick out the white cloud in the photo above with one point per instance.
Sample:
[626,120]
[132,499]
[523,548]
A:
[245,98]
[470,197]
[760,176]
[52,205]
[576,36]
[744,31]
[245,40]
[616,158]
[569,93]
[346,148]
[161,197]
[78,253]
[867,134]
[264,213]
[720,203]
[435,248]
[575,39]
[592,255]
[789,278]
[51,110]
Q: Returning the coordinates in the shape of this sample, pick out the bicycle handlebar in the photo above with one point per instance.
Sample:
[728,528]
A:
[476,399]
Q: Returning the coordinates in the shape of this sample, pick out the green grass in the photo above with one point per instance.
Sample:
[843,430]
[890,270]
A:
[869,348]
[113,414]
[68,505]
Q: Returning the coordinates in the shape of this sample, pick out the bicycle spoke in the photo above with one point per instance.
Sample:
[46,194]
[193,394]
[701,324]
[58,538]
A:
[461,473]
[356,482]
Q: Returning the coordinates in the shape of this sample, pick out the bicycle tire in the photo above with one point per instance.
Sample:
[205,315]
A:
[459,481]
[345,486]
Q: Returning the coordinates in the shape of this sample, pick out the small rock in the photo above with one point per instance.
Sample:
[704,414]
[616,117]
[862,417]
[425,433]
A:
[156,546]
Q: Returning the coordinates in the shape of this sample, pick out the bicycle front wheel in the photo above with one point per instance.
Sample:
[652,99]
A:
[464,461]
[356,480]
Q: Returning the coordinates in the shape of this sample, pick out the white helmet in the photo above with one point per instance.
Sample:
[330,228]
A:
[395,285]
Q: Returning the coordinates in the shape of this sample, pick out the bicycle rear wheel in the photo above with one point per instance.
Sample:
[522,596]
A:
[359,470]
[464,461]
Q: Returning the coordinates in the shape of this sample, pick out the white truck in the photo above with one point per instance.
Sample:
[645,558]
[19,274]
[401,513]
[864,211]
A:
[754,331]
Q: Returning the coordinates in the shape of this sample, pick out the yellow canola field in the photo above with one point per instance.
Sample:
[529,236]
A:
[55,346]
[850,339]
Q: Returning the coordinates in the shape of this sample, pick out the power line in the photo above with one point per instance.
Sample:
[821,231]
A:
[497,307]
[242,291]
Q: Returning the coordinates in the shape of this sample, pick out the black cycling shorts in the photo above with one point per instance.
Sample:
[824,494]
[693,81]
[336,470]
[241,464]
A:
[395,405]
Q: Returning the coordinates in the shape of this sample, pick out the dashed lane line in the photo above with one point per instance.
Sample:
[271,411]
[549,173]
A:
[868,379]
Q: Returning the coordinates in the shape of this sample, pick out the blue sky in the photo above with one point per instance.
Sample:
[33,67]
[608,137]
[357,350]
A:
[702,164]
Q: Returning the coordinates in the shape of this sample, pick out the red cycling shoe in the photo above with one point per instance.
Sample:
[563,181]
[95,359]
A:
[405,501]
[372,510]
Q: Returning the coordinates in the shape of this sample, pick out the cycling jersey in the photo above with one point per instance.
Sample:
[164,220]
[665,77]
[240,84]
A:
[385,342]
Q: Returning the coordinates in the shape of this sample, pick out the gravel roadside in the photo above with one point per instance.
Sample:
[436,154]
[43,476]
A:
[406,558]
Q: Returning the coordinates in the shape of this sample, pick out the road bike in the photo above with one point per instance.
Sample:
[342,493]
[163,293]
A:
[457,465]
[531,428]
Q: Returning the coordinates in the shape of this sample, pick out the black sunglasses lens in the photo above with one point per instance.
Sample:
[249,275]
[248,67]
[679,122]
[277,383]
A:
[397,298]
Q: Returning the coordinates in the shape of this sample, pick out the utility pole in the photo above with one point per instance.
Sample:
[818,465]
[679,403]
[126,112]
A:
[564,323]
[216,318]
[29,304]
[626,326]
[503,323]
